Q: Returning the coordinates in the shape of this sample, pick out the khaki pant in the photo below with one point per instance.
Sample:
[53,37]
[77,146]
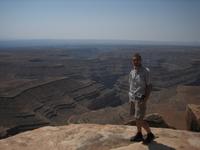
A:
[138,109]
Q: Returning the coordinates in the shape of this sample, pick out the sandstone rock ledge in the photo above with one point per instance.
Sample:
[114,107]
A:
[193,117]
[98,137]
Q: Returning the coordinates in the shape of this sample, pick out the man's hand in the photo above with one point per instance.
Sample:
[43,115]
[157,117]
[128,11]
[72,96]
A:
[130,102]
[148,91]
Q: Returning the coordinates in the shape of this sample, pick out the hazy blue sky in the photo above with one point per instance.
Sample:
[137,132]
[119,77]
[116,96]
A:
[152,20]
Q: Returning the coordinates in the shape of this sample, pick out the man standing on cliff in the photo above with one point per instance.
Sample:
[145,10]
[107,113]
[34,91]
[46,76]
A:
[140,88]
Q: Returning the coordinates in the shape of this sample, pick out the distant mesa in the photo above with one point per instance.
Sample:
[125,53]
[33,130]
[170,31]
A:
[36,60]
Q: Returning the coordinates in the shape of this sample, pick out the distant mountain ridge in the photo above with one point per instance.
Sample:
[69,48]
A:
[89,42]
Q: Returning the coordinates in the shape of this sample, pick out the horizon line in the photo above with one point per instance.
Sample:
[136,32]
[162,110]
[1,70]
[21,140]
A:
[59,41]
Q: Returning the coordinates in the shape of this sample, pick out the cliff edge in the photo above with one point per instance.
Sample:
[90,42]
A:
[98,137]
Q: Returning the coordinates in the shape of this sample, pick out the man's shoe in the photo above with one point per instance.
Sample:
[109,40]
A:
[150,137]
[137,138]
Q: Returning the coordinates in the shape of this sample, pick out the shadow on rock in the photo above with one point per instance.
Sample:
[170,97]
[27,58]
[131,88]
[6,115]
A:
[158,146]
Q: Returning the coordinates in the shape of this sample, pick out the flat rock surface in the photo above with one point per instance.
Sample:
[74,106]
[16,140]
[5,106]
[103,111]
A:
[98,137]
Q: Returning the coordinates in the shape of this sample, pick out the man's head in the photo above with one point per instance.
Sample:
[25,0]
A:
[137,59]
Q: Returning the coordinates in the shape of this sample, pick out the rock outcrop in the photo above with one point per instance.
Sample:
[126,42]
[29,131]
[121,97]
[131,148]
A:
[154,120]
[117,115]
[98,137]
[193,117]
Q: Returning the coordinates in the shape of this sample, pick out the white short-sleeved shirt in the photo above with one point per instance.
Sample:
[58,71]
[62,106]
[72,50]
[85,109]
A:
[138,81]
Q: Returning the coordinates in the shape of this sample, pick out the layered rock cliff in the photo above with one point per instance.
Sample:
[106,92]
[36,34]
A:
[52,103]
[98,137]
